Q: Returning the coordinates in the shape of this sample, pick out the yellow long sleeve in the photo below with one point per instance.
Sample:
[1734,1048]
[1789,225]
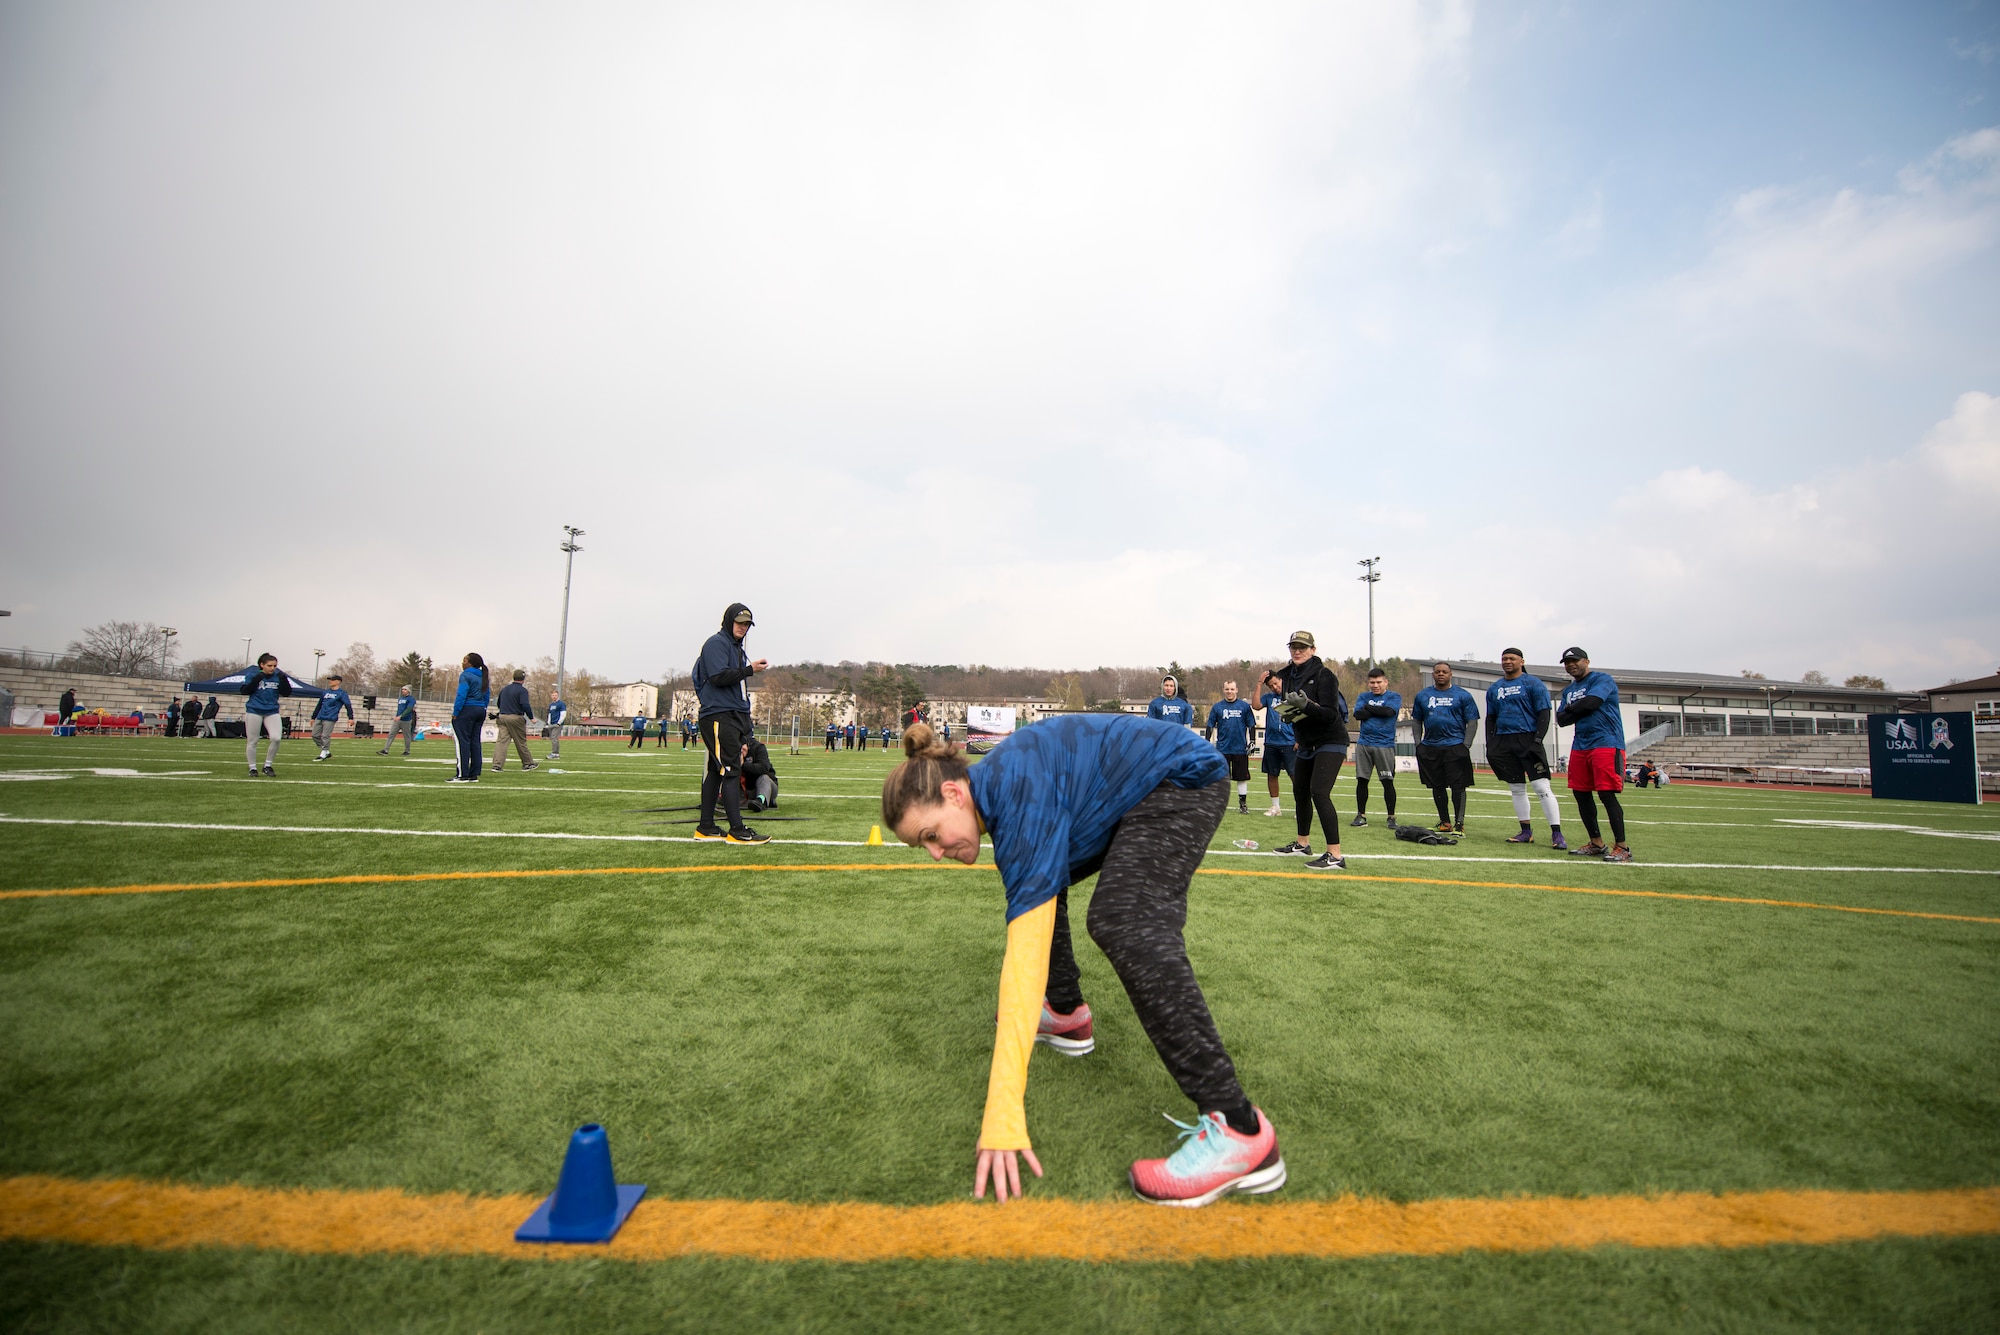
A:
[1024,981]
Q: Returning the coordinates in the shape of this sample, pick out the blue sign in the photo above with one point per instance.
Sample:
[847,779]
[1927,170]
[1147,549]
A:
[1923,757]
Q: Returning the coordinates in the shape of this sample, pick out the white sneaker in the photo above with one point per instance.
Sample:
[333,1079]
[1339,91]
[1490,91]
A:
[1275,810]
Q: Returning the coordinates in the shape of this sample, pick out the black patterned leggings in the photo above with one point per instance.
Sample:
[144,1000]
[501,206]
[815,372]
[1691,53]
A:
[1136,917]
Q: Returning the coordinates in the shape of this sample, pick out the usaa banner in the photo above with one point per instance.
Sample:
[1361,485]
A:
[1923,757]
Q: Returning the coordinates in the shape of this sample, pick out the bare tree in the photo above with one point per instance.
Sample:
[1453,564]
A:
[208,669]
[359,670]
[124,648]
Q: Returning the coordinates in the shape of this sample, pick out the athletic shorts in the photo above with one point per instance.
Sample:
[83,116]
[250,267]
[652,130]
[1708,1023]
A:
[1280,759]
[1239,766]
[1375,760]
[1517,757]
[1444,766]
[1600,769]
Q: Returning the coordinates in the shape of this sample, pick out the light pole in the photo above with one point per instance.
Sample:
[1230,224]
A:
[167,634]
[1371,579]
[317,655]
[246,649]
[569,550]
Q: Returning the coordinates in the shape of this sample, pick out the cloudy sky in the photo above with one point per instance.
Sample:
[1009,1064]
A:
[1016,334]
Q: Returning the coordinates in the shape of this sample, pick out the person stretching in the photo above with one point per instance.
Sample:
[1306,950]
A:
[265,686]
[326,715]
[404,724]
[1135,802]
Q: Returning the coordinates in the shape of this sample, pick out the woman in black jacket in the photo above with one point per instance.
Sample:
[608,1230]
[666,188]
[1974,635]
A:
[1312,703]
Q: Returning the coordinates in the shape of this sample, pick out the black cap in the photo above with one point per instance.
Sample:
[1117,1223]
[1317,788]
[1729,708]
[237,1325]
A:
[1572,653]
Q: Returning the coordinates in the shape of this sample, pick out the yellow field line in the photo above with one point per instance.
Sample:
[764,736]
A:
[1590,890]
[164,1216]
[387,878]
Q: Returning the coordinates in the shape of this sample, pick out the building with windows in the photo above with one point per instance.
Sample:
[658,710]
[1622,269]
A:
[633,697]
[1706,704]
[1981,697]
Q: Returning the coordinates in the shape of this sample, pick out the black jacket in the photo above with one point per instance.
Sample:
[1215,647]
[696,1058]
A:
[1325,720]
[758,762]
[514,700]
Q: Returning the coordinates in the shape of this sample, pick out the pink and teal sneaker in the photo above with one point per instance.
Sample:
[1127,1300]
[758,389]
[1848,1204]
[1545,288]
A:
[1212,1162]
[1067,1034]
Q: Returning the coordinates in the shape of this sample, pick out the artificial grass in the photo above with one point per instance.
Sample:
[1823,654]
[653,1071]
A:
[824,1036]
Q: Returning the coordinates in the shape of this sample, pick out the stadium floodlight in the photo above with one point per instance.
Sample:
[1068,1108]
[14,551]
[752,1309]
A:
[246,648]
[1371,579]
[317,655]
[569,550]
[167,634]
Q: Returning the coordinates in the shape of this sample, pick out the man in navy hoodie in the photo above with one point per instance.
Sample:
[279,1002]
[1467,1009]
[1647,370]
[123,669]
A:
[721,681]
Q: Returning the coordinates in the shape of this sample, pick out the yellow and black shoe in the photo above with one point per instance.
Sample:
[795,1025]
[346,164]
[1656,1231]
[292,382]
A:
[709,835]
[746,835]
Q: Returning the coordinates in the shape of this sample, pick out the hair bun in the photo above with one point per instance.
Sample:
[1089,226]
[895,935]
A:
[921,742]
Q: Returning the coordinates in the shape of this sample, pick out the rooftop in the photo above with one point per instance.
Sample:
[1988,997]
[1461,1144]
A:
[1991,683]
[1690,682]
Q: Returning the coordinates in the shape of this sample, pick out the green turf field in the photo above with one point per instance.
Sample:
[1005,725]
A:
[824,1036]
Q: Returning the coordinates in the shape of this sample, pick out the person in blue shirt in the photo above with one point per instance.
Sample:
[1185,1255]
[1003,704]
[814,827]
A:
[1136,803]
[558,711]
[265,685]
[1517,718]
[861,736]
[327,713]
[687,733]
[1232,726]
[1280,750]
[660,731]
[1596,753]
[405,722]
[638,732]
[1447,719]
[468,717]
[833,736]
[722,681]
[1375,748]
[1168,705]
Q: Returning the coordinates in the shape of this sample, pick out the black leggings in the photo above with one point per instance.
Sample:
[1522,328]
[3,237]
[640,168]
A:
[722,738]
[1361,794]
[1312,790]
[1137,914]
[1457,812]
[1586,805]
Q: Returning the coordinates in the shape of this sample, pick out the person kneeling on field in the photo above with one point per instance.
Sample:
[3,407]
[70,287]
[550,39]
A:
[1135,802]
[760,781]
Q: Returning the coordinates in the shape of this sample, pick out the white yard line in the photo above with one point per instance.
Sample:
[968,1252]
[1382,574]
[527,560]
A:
[859,843]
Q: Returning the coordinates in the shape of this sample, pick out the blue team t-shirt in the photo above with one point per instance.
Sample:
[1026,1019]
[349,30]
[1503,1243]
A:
[1277,732]
[1231,721]
[331,704]
[1379,731]
[1051,795]
[1173,709]
[1511,706]
[1603,726]
[1443,715]
[264,695]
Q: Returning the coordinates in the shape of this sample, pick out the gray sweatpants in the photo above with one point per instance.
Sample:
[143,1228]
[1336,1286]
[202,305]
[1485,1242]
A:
[253,724]
[1136,917]
[323,733]
[407,727]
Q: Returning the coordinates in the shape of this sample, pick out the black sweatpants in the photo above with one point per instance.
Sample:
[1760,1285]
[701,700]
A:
[722,737]
[1136,918]
[1312,790]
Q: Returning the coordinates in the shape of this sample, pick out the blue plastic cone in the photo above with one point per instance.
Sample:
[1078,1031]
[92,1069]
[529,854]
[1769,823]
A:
[588,1205]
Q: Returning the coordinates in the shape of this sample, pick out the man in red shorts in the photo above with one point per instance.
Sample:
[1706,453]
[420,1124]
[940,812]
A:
[1596,753]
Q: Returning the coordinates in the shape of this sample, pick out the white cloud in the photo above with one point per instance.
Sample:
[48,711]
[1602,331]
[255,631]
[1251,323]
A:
[1838,267]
